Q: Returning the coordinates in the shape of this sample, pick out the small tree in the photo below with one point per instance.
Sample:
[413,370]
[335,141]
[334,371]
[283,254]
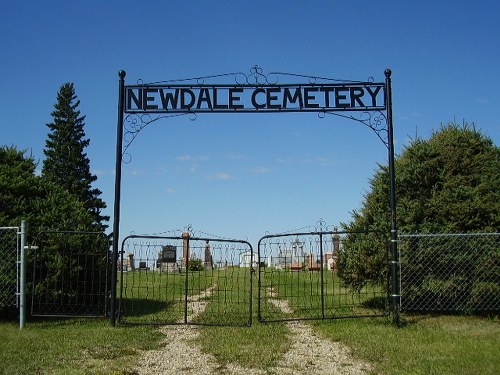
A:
[66,162]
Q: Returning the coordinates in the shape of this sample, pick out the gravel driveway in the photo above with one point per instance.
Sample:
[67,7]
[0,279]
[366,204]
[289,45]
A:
[310,354]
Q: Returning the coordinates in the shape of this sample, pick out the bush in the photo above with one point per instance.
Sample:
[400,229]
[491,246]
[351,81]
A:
[195,265]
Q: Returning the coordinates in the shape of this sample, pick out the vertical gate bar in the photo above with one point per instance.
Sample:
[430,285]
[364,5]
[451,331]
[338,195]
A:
[185,236]
[259,283]
[118,178]
[252,272]
[322,276]
[22,286]
[120,314]
[395,297]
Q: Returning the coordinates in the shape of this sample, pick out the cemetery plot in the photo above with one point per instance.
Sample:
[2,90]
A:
[185,280]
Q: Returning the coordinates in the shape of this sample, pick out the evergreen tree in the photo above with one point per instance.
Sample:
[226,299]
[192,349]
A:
[66,162]
[448,183]
[43,204]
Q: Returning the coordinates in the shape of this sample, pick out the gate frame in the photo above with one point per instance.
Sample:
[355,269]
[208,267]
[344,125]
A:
[258,79]
[188,238]
[320,234]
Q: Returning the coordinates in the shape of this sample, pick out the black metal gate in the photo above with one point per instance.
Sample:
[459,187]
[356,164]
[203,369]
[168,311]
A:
[185,280]
[308,276]
[70,274]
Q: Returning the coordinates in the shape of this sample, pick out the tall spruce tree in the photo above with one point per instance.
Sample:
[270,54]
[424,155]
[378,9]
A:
[66,162]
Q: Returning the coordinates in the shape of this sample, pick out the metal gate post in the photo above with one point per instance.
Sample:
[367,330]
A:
[395,295]
[118,181]
[22,277]
[322,276]
[186,254]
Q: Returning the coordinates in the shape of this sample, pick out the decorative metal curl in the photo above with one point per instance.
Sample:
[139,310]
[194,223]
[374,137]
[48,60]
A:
[321,226]
[256,77]
[189,228]
[134,123]
[376,121]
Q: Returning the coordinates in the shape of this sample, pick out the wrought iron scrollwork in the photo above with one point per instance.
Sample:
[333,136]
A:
[376,121]
[134,123]
[321,226]
[255,77]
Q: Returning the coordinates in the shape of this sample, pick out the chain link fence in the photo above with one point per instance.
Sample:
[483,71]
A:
[9,250]
[457,273]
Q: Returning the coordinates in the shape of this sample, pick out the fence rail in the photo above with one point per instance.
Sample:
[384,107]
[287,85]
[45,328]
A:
[300,276]
[457,273]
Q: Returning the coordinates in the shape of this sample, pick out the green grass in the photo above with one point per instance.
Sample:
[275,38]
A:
[304,294]
[424,345]
[259,346]
[154,297]
[72,347]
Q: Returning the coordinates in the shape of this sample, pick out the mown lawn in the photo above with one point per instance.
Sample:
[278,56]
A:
[72,346]
[425,345]
[455,345]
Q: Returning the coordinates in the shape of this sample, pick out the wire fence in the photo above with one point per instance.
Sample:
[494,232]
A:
[185,280]
[312,276]
[457,273]
[9,266]
[70,274]
[448,273]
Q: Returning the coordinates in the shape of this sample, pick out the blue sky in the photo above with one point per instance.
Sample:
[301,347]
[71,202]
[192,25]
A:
[242,176]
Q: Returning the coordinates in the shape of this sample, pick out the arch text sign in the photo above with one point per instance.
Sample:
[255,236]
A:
[251,98]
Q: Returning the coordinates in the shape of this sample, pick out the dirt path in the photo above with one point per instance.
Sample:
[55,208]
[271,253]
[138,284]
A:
[310,354]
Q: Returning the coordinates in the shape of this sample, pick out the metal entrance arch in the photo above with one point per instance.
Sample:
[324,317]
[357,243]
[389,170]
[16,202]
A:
[367,102]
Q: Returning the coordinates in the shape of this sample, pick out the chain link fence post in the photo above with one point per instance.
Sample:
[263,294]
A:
[22,276]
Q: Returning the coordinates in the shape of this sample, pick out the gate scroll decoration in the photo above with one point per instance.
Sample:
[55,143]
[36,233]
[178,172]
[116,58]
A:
[366,102]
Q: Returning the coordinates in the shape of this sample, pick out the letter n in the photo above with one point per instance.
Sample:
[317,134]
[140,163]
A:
[132,97]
